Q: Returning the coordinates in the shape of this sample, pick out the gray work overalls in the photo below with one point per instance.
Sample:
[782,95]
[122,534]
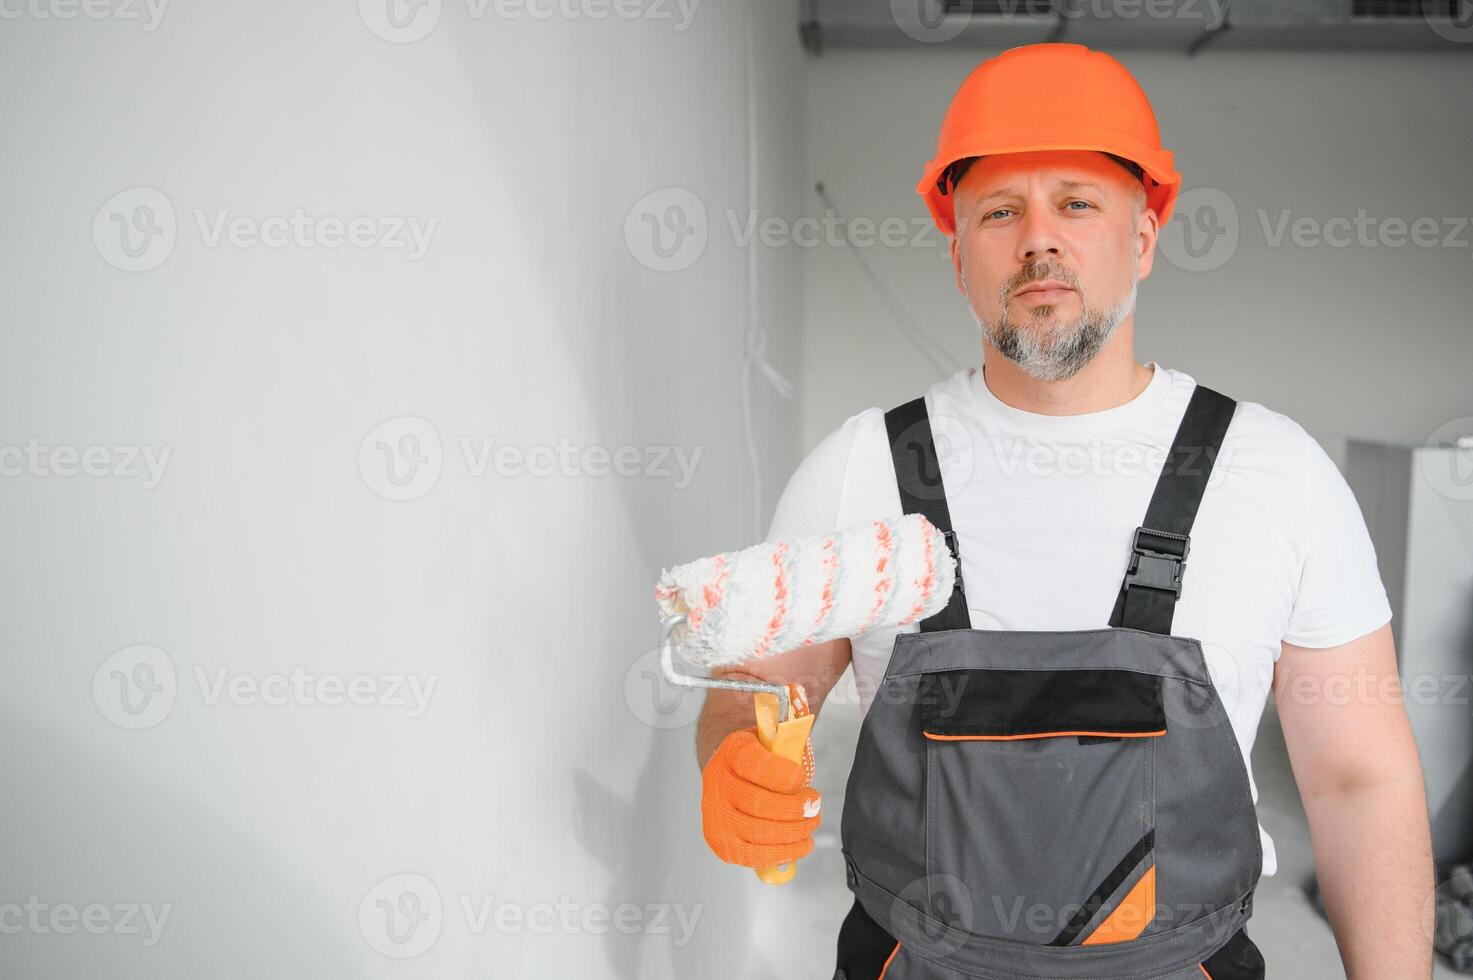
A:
[1041,804]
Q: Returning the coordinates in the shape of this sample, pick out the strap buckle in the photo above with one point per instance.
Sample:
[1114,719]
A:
[951,545]
[1157,567]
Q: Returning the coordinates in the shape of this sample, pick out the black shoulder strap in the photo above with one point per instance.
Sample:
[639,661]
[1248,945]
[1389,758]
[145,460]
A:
[918,475]
[1153,578]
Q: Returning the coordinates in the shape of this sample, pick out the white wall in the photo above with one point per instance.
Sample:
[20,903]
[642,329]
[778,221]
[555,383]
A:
[535,773]
[1368,342]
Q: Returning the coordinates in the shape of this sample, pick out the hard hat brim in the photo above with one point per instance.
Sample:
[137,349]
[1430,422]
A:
[1157,164]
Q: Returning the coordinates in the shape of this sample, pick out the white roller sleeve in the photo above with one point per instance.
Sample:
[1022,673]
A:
[772,597]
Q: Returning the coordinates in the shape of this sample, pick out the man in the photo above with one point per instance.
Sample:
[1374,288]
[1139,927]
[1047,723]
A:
[1052,778]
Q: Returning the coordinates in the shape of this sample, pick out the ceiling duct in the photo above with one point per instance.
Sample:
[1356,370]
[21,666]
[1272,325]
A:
[1184,25]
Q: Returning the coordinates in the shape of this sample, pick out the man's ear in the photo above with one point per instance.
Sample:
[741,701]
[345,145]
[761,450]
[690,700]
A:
[956,264]
[1147,234]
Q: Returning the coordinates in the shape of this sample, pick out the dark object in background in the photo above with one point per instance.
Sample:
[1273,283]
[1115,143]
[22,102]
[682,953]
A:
[1454,935]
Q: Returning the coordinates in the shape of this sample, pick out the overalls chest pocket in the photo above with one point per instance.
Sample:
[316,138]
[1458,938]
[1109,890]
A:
[1040,796]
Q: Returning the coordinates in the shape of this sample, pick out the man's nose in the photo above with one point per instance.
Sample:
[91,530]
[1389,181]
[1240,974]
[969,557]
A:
[1039,239]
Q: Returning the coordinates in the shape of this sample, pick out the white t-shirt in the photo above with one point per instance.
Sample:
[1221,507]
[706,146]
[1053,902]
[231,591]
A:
[1045,506]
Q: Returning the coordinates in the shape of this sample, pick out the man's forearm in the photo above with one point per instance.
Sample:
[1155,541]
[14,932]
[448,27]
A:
[1373,858]
[815,667]
[723,713]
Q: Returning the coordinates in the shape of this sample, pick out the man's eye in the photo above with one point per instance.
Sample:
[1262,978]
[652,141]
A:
[1085,203]
[992,213]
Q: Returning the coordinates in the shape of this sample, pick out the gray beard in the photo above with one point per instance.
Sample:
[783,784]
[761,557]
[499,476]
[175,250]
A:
[1061,350]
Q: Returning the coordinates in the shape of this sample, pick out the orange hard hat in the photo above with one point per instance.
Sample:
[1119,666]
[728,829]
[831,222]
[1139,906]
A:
[1050,97]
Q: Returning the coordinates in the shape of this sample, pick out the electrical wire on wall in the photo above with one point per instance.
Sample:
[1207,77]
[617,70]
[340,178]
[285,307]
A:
[934,353]
[755,339]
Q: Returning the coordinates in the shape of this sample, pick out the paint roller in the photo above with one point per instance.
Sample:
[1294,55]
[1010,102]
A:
[736,607]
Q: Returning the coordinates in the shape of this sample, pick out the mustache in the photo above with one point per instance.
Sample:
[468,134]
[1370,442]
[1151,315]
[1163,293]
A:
[1034,273]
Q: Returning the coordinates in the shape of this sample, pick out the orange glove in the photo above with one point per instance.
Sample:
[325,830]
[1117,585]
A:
[756,807]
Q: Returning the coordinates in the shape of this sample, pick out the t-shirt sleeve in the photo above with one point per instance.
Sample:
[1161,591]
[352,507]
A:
[810,504]
[1341,596]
